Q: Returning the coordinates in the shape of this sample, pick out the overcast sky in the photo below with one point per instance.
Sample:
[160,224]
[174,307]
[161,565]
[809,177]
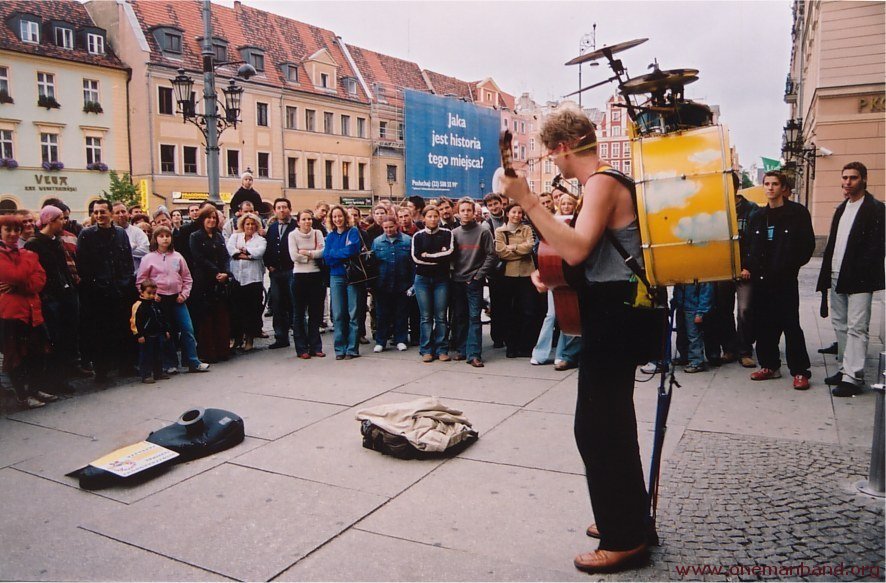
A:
[742,48]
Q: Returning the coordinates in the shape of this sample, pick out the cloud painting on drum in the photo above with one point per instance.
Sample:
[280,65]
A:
[703,228]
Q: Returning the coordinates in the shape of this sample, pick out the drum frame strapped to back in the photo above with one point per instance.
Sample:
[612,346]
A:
[669,258]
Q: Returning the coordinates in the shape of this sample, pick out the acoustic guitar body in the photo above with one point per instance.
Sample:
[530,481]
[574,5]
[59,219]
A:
[562,280]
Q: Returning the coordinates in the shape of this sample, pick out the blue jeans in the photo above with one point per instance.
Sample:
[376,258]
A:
[179,320]
[568,347]
[345,311]
[392,309]
[466,328]
[695,337]
[433,300]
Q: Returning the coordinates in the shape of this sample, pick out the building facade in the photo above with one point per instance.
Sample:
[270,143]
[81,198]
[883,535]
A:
[835,89]
[304,130]
[63,105]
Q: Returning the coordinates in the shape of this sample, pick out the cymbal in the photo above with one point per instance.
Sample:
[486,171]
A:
[612,49]
[658,81]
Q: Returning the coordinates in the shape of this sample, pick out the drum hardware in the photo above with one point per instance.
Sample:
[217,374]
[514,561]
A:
[615,64]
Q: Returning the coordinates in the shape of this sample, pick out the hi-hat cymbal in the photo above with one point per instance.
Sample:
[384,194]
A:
[601,52]
[658,81]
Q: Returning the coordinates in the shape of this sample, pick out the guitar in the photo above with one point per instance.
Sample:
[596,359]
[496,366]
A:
[553,271]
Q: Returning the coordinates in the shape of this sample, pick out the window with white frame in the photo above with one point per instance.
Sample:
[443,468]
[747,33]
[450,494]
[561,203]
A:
[264,165]
[626,148]
[93,150]
[604,150]
[324,80]
[549,166]
[45,85]
[531,144]
[4,80]
[291,117]
[30,31]
[189,154]
[167,158]
[616,164]
[547,186]
[95,44]
[626,166]
[49,147]
[616,149]
[310,120]
[90,91]
[6,150]
[327,122]
[616,131]
[291,172]
[64,37]
[261,114]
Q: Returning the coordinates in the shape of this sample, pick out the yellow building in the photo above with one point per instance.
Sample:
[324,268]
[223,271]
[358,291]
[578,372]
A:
[304,128]
[836,91]
[63,106]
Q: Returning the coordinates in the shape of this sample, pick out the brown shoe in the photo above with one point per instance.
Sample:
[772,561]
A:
[427,358]
[610,561]
[458,356]
[747,362]
[564,365]
[592,531]
[444,358]
[476,363]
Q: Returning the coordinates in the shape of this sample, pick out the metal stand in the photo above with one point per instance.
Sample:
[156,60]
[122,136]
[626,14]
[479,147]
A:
[875,485]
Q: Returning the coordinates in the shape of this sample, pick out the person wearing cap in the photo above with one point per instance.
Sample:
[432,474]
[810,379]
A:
[245,192]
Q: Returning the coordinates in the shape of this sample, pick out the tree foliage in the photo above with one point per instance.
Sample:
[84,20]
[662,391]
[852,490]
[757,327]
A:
[122,189]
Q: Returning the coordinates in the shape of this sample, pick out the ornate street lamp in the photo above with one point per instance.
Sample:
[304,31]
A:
[211,124]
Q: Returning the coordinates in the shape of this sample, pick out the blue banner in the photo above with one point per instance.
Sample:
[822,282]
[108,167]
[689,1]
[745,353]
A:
[451,146]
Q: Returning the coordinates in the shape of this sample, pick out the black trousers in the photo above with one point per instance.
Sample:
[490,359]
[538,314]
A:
[246,310]
[517,296]
[308,293]
[719,325]
[498,312]
[777,312]
[105,333]
[605,421]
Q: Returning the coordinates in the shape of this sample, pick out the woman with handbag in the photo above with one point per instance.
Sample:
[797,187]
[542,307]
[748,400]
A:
[514,242]
[308,286]
[342,244]
[366,239]
[212,284]
[247,249]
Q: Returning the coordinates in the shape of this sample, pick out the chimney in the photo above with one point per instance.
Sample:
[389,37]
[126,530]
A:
[236,4]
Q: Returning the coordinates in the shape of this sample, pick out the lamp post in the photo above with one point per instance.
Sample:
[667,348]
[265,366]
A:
[211,124]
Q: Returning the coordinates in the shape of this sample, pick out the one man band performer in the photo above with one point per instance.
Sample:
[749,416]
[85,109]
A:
[605,421]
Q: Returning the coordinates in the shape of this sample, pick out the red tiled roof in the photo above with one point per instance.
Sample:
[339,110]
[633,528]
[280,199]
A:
[283,40]
[444,85]
[507,100]
[68,11]
[387,71]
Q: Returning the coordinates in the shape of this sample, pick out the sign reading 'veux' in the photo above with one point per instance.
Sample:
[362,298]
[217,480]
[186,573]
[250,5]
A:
[451,146]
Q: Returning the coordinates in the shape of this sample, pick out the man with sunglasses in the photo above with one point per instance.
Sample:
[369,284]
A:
[605,421]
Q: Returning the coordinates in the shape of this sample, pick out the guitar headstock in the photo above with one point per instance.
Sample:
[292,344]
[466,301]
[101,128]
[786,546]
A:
[505,146]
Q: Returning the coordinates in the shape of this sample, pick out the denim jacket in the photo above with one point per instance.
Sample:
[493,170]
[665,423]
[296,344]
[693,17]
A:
[697,298]
[396,270]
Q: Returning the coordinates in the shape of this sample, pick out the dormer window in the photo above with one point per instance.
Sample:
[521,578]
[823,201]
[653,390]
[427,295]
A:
[30,31]
[290,72]
[324,80]
[169,39]
[172,43]
[380,94]
[350,85]
[254,56]
[95,44]
[220,52]
[64,37]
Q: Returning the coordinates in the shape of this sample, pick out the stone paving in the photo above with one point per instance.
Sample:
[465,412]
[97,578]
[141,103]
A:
[754,475]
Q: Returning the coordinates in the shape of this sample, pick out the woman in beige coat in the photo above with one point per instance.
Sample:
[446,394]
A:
[514,242]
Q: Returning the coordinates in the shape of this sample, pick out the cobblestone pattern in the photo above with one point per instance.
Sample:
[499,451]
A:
[735,501]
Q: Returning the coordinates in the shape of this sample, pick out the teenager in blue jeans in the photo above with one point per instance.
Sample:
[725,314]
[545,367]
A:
[396,273]
[342,243]
[432,253]
[695,300]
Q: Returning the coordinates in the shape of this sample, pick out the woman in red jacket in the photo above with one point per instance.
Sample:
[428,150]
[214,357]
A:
[22,334]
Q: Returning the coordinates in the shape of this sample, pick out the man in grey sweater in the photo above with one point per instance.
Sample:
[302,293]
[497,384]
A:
[474,258]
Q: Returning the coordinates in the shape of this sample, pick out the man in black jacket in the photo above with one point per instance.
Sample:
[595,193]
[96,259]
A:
[107,290]
[852,269]
[781,241]
[279,264]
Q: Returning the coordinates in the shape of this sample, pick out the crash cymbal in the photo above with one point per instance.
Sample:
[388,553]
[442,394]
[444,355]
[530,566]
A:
[612,49]
[660,81]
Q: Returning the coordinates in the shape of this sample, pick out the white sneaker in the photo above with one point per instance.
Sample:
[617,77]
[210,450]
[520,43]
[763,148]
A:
[651,368]
[401,347]
[378,348]
[202,367]
[171,370]
[533,361]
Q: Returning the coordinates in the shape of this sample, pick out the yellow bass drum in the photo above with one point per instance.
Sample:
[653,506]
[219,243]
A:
[686,201]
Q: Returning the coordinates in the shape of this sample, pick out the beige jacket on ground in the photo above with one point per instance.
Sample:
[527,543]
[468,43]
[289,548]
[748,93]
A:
[426,423]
